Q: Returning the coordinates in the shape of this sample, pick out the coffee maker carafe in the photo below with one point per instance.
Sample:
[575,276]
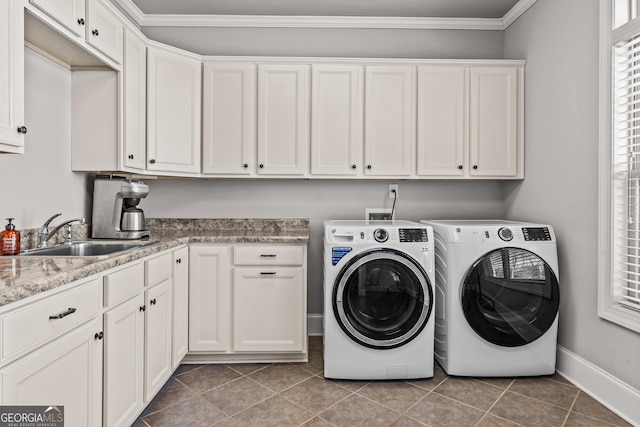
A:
[116,214]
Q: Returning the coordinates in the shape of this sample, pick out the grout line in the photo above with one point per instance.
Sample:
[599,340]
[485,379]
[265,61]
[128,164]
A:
[575,399]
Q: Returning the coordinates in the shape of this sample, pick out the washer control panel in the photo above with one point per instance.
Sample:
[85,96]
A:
[381,235]
[536,233]
[412,235]
[505,234]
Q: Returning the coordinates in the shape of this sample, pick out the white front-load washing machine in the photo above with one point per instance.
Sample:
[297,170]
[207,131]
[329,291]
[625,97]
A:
[497,297]
[378,300]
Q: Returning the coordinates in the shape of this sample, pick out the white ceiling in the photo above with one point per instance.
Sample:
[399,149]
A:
[473,9]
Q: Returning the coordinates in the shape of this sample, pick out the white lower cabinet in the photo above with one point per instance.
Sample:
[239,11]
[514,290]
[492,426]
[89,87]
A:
[157,337]
[268,309]
[247,302]
[66,372]
[209,298]
[180,326]
[123,362]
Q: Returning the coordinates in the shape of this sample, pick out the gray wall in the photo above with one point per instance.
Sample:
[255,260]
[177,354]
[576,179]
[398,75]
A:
[319,200]
[40,183]
[446,44]
[559,39]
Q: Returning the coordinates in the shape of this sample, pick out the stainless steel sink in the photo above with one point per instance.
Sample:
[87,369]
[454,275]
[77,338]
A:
[97,249]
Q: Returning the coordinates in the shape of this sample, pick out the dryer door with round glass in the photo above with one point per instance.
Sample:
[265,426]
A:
[382,298]
[510,297]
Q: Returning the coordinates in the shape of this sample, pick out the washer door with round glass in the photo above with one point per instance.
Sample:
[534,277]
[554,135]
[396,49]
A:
[510,297]
[382,298]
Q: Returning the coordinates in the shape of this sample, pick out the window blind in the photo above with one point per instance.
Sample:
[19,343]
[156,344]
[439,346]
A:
[625,182]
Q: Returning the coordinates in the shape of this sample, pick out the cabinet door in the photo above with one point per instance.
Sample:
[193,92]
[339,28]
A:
[283,119]
[390,118]
[134,74]
[180,342]
[493,121]
[104,31]
[336,121]
[209,298]
[441,121]
[69,13]
[67,372]
[228,119]
[123,362]
[11,77]
[268,309]
[158,335]
[173,111]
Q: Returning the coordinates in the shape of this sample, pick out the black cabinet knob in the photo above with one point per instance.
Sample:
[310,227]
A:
[179,261]
[353,166]
[22,130]
[152,161]
[130,156]
[475,166]
[95,33]
[261,166]
[368,166]
[245,165]
[81,21]
[152,302]
[99,336]
[143,307]
[459,166]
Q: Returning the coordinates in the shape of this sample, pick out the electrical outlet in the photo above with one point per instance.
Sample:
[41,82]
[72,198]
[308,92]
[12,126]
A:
[393,191]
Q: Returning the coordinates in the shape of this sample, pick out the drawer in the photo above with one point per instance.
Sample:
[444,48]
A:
[268,255]
[35,324]
[159,269]
[123,284]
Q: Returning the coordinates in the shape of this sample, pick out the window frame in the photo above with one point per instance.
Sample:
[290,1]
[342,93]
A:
[607,307]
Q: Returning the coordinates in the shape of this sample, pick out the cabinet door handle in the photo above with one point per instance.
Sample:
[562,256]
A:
[22,130]
[81,21]
[152,161]
[368,166]
[179,261]
[95,33]
[99,335]
[245,165]
[475,166]
[353,166]
[143,307]
[459,166]
[261,166]
[267,273]
[69,311]
[267,255]
[131,156]
[152,302]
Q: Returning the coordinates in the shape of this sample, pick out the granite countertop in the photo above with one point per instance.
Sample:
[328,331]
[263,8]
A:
[22,277]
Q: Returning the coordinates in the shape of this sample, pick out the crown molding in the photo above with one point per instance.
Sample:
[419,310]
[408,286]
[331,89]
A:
[516,11]
[344,22]
[339,22]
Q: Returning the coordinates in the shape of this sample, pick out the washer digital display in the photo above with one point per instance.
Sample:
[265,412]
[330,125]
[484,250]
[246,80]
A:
[410,235]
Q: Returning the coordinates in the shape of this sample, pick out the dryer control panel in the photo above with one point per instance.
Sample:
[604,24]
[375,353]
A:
[411,235]
[536,233]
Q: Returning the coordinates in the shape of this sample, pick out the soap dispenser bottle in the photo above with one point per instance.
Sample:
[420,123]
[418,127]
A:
[10,239]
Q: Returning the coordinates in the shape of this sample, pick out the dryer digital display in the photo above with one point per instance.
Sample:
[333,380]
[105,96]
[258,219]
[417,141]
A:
[413,235]
[536,233]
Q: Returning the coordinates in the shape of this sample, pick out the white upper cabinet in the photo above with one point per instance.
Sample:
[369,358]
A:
[336,120]
[105,32]
[173,110]
[283,119]
[12,127]
[134,75]
[390,117]
[229,118]
[494,122]
[69,13]
[442,137]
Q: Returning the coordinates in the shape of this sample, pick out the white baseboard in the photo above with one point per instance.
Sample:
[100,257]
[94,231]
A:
[314,324]
[616,395]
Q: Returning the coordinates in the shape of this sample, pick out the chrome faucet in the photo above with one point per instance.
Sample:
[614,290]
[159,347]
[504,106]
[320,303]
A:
[44,234]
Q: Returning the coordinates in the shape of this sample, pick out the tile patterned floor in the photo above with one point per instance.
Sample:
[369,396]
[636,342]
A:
[296,394]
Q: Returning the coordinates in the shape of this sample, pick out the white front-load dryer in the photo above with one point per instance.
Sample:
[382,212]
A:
[378,300]
[497,297]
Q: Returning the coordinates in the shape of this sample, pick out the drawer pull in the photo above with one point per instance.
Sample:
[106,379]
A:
[99,336]
[152,302]
[267,255]
[64,314]
[267,273]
